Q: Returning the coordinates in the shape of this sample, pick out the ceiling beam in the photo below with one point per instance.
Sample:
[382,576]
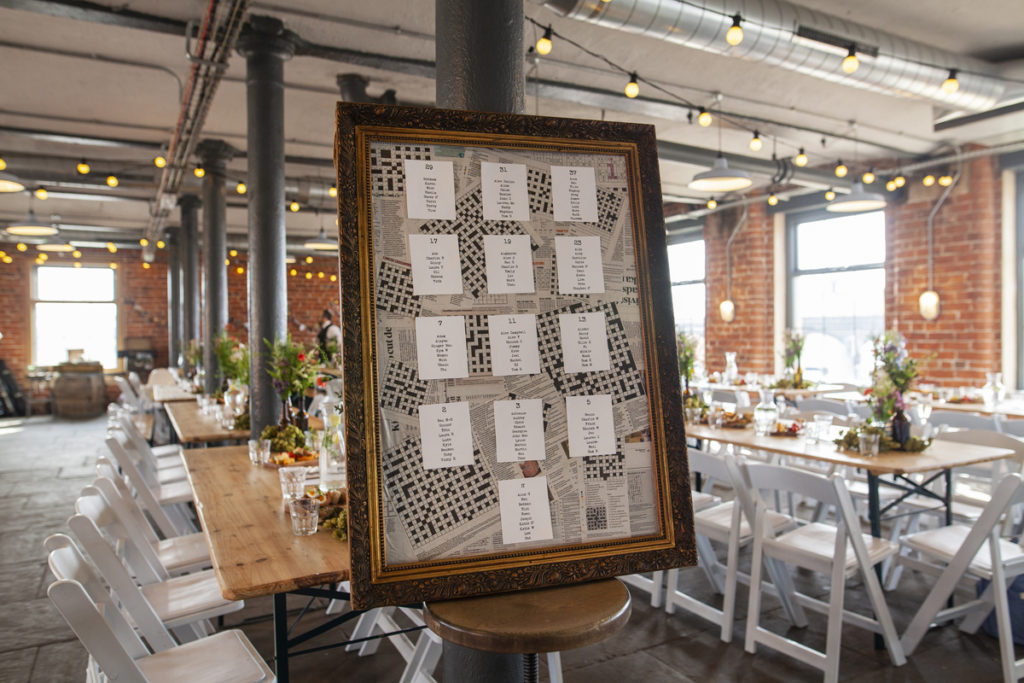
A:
[100,14]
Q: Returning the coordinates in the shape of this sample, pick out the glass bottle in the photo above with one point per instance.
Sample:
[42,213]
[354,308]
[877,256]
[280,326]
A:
[332,455]
[993,392]
[766,413]
[732,372]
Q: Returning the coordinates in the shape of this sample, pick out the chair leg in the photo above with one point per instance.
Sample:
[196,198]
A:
[729,603]
[1006,653]
[708,561]
[834,634]
[657,588]
[973,621]
[555,667]
[780,576]
[671,583]
[754,601]
[364,629]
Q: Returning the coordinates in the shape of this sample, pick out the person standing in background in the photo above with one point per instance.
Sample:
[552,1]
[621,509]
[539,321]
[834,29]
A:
[328,338]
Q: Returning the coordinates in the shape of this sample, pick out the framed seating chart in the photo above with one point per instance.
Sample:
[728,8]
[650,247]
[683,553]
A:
[512,393]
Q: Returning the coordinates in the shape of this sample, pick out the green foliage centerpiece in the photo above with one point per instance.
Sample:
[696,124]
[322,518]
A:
[793,349]
[292,369]
[891,379]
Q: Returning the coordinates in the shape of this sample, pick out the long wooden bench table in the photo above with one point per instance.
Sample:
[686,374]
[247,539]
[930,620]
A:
[192,427]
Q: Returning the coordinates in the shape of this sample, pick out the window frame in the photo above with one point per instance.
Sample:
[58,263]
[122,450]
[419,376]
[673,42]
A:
[115,299]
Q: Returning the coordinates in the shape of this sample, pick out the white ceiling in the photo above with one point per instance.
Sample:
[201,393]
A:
[83,78]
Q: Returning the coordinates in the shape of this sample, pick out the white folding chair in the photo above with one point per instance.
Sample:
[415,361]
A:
[172,498]
[160,464]
[225,657]
[816,546]
[957,420]
[822,405]
[1012,427]
[183,603]
[724,522]
[973,552]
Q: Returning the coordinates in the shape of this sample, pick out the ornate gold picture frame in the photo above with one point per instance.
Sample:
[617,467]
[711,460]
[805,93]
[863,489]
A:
[445,506]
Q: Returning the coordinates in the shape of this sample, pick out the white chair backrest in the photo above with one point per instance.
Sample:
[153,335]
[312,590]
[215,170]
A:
[67,563]
[92,625]
[146,497]
[126,507]
[140,556]
[823,405]
[136,382]
[958,420]
[128,395]
[1012,427]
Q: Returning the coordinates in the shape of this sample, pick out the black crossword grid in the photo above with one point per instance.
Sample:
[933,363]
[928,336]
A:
[471,227]
[387,170]
[604,466]
[609,203]
[597,518]
[538,185]
[623,381]
[478,344]
[394,289]
[416,492]
[403,390]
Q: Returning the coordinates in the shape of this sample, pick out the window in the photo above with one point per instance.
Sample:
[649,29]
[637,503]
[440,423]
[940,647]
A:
[686,270]
[74,308]
[837,292]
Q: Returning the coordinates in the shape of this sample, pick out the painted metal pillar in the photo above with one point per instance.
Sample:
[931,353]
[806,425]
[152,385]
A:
[190,292]
[174,313]
[479,53]
[266,45]
[215,155]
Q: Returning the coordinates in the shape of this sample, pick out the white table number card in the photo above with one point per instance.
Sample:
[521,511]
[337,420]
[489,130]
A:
[591,424]
[519,429]
[514,344]
[430,189]
[525,511]
[435,264]
[580,270]
[446,436]
[574,194]
[584,342]
[441,347]
[509,260]
[504,191]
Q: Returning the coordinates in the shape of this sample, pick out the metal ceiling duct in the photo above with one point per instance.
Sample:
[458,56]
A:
[803,40]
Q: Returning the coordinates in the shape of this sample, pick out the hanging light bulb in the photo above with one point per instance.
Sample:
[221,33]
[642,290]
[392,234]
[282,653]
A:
[928,180]
[734,36]
[240,188]
[143,242]
[145,265]
[76,254]
[41,193]
[951,84]
[858,199]
[704,117]
[112,181]
[227,262]
[240,270]
[233,253]
[294,207]
[633,87]
[320,275]
[773,199]
[544,42]
[3,164]
[928,304]
[309,259]
[868,177]
[830,194]
[78,264]
[309,276]
[727,309]
[83,167]
[22,246]
[199,171]
[900,180]
[113,266]
[801,158]
[712,203]
[891,186]
[334,278]
[159,161]
[293,272]
[160,244]
[111,247]
[755,142]
[945,180]
[841,169]
[850,62]
[43,257]
[332,191]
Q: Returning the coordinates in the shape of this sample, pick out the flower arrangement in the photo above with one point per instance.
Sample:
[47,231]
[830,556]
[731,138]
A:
[292,368]
[894,372]
[233,357]
[193,353]
[792,350]
[686,346]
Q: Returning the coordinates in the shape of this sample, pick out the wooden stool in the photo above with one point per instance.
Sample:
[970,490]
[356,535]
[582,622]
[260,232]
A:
[482,634]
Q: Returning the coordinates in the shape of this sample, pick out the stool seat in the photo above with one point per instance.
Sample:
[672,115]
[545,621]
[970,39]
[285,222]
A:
[542,620]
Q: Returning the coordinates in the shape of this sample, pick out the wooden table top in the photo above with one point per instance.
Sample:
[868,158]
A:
[193,427]
[252,547]
[161,376]
[169,393]
[939,456]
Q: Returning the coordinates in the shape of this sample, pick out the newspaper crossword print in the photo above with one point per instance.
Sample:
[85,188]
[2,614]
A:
[445,512]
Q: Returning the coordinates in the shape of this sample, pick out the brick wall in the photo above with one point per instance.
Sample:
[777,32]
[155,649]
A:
[15,281]
[750,333]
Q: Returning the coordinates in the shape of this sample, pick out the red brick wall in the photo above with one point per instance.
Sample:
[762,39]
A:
[15,317]
[965,339]
[750,333]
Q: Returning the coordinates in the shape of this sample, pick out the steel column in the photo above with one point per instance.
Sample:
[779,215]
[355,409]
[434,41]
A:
[479,49]
[266,45]
[190,292]
[174,314]
[215,155]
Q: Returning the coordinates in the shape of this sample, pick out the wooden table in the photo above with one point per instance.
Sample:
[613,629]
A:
[161,376]
[192,427]
[252,548]
[169,393]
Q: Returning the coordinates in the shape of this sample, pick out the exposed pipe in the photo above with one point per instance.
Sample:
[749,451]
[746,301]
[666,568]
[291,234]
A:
[728,250]
[778,33]
[931,222]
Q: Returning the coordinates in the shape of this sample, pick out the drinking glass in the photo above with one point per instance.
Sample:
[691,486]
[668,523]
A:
[924,407]
[715,415]
[293,482]
[305,513]
[869,443]
[822,427]
[254,451]
[264,451]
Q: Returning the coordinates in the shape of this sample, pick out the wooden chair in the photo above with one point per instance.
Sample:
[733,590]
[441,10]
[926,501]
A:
[816,546]
[974,552]
[226,656]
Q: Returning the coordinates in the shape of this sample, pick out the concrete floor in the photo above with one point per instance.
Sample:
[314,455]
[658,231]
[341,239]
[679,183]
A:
[44,463]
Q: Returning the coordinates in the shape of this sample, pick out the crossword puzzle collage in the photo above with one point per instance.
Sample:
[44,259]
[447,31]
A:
[511,381]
